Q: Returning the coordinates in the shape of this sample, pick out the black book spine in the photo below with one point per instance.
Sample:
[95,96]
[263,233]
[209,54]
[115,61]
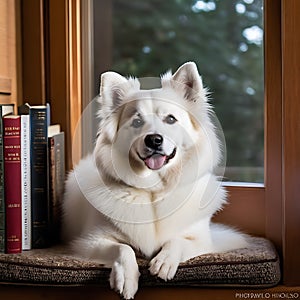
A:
[57,180]
[39,178]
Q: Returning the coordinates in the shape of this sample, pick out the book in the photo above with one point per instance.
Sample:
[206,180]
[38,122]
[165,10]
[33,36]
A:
[12,182]
[26,182]
[5,109]
[56,144]
[39,174]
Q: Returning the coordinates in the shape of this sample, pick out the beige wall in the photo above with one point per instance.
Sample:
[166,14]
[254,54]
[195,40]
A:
[10,51]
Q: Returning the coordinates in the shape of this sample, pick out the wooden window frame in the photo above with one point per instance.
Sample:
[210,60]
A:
[271,210]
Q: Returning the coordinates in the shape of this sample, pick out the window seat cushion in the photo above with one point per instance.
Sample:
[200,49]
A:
[255,266]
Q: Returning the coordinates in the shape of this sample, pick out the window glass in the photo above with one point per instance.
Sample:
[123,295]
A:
[225,39]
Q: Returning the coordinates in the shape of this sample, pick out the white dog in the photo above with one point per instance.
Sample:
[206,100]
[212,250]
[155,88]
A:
[149,184]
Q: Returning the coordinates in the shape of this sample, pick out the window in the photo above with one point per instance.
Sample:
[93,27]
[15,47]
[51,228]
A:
[225,39]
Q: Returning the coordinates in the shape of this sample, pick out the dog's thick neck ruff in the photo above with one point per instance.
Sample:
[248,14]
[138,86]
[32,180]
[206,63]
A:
[149,138]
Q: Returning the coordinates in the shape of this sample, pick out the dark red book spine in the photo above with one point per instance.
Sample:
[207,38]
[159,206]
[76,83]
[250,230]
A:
[12,182]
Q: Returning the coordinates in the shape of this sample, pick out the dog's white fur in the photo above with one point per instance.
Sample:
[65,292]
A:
[115,202]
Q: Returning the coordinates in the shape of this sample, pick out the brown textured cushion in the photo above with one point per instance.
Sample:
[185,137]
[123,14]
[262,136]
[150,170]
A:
[255,266]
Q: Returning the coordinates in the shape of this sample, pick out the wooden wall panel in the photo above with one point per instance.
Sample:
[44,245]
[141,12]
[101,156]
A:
[245,209]
[273,122]
[291,139]
[58,73]
[33,51]
[64,66]
[10,65]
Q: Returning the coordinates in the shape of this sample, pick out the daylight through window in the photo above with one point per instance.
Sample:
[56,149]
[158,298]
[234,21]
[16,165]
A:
[225,39]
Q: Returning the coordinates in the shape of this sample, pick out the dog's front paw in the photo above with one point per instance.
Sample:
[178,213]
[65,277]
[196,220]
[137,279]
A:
[124,280]
[164,265]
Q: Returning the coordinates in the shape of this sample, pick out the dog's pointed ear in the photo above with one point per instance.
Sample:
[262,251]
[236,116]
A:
[111,88]
[188,79]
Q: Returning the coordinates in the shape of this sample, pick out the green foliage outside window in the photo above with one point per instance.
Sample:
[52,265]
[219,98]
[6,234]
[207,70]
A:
[225,39]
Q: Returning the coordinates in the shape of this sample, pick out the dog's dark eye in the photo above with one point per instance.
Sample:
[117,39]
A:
[136,123]
[170,119]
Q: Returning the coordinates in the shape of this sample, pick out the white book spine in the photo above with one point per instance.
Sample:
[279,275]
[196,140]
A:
[26,182]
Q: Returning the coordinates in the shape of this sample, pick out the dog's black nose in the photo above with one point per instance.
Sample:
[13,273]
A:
[154,141]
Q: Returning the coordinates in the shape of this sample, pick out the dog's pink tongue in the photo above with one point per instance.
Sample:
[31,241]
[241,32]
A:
[155,161]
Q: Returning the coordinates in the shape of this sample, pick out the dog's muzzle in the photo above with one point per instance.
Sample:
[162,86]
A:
[157,158]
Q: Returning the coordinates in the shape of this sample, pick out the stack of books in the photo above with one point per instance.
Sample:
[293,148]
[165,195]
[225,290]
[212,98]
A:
[32,173]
